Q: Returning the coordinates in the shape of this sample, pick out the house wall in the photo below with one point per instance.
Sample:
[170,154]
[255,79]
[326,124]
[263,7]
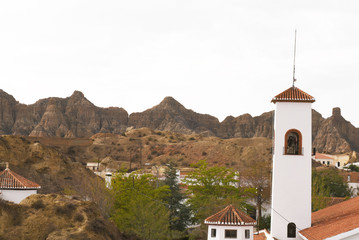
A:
[291,181]
[354,237]
[16,196]
[220,232]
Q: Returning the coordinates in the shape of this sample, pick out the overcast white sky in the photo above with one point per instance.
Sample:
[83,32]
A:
[217,57]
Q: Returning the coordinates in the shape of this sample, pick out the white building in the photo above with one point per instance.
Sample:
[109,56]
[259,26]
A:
[292,164]
[230,223]
[15,188]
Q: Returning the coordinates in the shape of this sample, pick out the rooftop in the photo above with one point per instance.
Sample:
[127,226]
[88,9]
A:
[230,216]
[293,94]
[12,180]
[333,220]
[323,156]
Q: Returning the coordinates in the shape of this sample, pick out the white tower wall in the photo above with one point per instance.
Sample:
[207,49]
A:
[291,179]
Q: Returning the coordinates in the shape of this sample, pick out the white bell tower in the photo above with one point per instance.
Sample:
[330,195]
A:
[292,164]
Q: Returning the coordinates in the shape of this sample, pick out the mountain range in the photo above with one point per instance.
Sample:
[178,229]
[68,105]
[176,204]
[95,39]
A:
[76,116]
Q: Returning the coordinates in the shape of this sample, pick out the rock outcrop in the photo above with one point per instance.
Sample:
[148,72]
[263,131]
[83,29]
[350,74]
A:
[170,115]
[76,116]
[336,135]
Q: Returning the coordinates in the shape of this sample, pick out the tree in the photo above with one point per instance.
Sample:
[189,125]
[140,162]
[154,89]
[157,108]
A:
[353,168]
[213,188]
[327,183]
[256,174]
[140,208]
[331,179]
[179,212]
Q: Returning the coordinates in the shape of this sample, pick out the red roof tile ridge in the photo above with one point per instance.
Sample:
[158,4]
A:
[237,214]
[17,181]
[230,215]
[293,94]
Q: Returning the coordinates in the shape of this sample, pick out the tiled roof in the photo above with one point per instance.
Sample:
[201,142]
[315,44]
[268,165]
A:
[230,216]
[323,156]
[293,94]
[12,180]
[334,220]
[260,236]
[354,176]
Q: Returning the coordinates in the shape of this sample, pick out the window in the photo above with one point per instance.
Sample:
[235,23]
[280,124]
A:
[293,142]
[213,232]
[291,230]
[338,164]
[348,178]
[247,233]
[230,233]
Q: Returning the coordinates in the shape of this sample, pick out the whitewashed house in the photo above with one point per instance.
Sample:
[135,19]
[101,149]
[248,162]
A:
[230,223]
[15,188]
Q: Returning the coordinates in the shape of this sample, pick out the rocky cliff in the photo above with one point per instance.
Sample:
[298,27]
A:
[336,135]
[170,115]
[76,116]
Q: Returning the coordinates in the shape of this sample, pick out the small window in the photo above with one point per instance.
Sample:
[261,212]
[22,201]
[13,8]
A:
[213,232]
[247,233]
[291,230]
[338,164]
[230,233]
[348,178]
[328,163]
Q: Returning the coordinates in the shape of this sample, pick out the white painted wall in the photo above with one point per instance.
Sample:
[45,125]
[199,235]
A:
[16,196]
[350,235]
[291,180]
[220,232]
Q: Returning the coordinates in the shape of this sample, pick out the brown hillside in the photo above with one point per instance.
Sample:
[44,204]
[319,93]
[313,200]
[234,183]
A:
[54,217]
[51,168]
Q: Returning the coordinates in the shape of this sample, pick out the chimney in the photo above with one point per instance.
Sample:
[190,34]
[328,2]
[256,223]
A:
[7,165]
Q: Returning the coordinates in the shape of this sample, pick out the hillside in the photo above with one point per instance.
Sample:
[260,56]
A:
[54,217]
[77,117]
[137,147]
[51,168]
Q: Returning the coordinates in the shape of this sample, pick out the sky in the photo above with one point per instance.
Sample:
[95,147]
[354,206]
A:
[216,57]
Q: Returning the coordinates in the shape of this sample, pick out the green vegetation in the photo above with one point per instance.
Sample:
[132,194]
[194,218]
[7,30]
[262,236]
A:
[353,168]
[325,184]
[179,217]
[211,189]
[140,207]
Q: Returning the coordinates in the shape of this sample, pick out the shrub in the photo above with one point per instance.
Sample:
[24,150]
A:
[38,204]
[79,217]
[96,226]
[65,210]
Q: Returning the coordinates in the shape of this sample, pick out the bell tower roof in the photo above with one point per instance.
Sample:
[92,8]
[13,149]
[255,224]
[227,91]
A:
[293,94]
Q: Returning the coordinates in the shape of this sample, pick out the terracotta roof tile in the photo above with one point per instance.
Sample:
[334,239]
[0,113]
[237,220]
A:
[260,236]
[230,216]
[354,176]
[293,94]
[12,180]
[334,220]
[323,156]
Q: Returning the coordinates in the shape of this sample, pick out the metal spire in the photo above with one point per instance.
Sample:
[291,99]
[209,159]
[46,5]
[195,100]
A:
[295,46]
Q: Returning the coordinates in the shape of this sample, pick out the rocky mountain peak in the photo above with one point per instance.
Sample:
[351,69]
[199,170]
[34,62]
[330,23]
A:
[77,94]
[336,112]
[170,102]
